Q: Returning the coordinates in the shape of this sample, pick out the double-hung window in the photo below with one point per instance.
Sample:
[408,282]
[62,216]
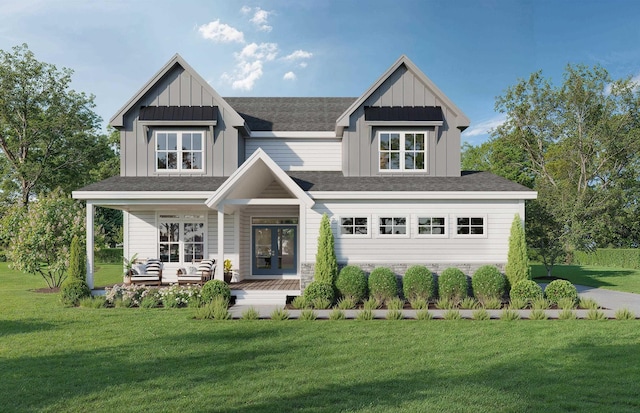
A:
[180,151]
[402,151]
[182,237]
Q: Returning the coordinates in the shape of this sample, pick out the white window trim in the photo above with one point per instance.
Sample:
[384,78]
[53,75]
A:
[339,231]
[181,218]
[402,151]
[454,225]
[415,218]
[407,233]
[180,151]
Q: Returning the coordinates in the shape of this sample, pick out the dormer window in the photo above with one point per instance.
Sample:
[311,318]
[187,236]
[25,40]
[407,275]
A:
[179,151]
[402,151]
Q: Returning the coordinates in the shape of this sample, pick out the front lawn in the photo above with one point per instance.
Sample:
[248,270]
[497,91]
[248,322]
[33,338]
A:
[618,279]
[77,359]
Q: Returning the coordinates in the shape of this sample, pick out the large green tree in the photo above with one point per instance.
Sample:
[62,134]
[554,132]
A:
[578,145]
[49,134]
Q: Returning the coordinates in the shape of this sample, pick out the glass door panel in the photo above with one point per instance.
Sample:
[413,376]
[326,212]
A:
[274,250]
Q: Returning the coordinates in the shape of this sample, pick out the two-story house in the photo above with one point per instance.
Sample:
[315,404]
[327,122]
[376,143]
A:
[248,179]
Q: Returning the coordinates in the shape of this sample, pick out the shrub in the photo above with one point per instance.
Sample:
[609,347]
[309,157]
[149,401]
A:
[481,314]
[395,315]
[77,264]
[383,284]
[418,283]
[526,290]
[280,314]
[215,288]
[487,283]
[559,289]
[308,315]
[609,257]
[250,314]
[352,283]
[423,315]
[337,314]
[3,257]
[517,267]
[318,289]
[452,284]
[326,268]
[72,291]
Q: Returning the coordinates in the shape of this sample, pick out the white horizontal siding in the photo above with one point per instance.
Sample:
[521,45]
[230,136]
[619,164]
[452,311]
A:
[306,154]
[142,234]
[492,248]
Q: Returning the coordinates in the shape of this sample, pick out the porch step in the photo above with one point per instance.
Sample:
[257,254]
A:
[263,297]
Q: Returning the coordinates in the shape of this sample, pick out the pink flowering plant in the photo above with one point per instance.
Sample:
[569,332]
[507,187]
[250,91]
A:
[39,237]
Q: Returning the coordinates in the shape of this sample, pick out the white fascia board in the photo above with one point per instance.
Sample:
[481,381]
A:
[403,123]
[290,134]
[141,195]
[262,201]
[404,195]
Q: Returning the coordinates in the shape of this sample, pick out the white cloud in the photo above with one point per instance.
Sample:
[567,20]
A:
[289,76]
[245,10]
[299,55]
[220,32]
[260,19]
[250,65]
[303,64]
[484,127]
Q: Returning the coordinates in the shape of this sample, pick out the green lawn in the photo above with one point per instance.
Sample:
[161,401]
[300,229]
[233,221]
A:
[619,279]
[76,359]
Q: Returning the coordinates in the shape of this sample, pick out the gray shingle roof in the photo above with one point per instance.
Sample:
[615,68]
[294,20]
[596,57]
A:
[321,181]
[290,114]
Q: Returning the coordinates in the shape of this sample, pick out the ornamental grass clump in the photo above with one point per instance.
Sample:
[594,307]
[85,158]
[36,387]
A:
[423,315]
[394,315]
[250,314]
[452,314]
[364,315]
[418,283]
[280,314]
[395,303]
[488,283]
[567,314]
[469,303]
[492,303]
[300,302]
[352,283]
[566,303]
[337,314]
[445,304]
[453,285]
[595,314]
[481,314]
[538,314]
[509,315]
[419,304]
[321,303]
[308,315]
[371,304]
[346,303]
[526,290]
[561,289]
[624,314]
[383,284]
[588,303]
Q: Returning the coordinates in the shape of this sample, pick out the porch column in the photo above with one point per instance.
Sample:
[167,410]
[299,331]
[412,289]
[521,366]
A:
[90,236]
[219,275]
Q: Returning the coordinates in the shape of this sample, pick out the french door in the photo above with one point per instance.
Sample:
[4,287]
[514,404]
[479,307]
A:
[275,249]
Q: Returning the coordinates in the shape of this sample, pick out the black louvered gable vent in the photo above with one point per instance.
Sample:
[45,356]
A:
[181,113]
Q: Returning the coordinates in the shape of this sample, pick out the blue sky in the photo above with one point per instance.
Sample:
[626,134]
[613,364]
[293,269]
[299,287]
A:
[472,50]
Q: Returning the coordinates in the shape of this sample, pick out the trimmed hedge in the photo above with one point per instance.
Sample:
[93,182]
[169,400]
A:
[559,289]
[418,283]
[109,255]
[215,288]
[319,290]
[487,283]
[609,257]
[526,290]
[352,283]
[383,284]
[453,284]
[73,290]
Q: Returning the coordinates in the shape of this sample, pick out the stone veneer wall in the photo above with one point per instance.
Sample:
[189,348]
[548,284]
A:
[307,269]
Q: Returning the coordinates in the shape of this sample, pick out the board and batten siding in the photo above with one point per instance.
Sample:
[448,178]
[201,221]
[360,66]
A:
[177,88]
[452,249]
[300,154]
[401,88]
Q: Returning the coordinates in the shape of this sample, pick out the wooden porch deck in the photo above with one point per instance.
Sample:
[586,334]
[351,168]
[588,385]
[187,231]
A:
[276,284]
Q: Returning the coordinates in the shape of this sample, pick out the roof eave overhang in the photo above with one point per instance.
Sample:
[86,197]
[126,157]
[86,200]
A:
[425,195]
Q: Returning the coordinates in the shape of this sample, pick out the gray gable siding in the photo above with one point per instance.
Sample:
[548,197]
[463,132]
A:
[178,88]
[402,88]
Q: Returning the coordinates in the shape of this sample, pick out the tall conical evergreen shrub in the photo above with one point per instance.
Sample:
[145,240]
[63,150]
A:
[517,260]
[326,269]
[77,264]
